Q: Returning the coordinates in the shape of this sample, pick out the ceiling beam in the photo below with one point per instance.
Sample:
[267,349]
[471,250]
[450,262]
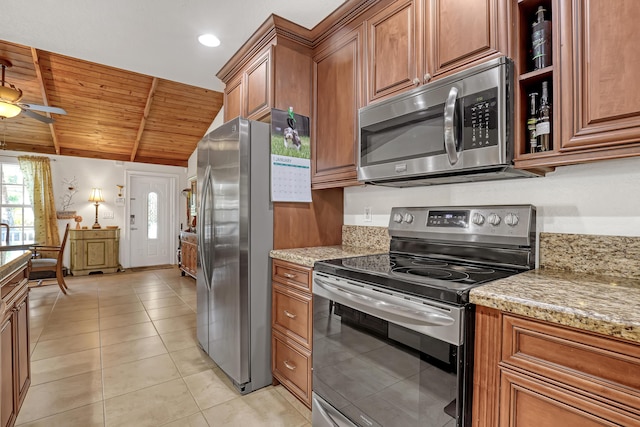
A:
[143,122]
[45,97]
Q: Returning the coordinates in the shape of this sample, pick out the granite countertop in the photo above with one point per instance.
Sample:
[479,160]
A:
[308,256]
[11,260]
[604,304]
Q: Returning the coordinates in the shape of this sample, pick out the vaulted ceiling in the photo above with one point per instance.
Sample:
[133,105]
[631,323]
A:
[111,113]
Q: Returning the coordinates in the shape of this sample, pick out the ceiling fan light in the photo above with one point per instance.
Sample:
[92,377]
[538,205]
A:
[9,94]
[8,110]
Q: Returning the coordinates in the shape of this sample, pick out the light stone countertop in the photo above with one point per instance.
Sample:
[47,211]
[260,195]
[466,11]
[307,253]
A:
[10,261]
[308,256]
[603,304]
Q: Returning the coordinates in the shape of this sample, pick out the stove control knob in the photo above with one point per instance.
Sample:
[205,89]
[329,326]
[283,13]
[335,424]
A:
[397,218]
[477,219]
[494,219]
[511,220]
[408,218]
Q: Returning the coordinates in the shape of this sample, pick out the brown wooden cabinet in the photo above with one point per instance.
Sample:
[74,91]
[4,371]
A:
[412,42]
[532,373]
[274,72]
[463,33]
[15,366]
[188,253]
[337,96]
[394,50]
[292,323]
[596,101]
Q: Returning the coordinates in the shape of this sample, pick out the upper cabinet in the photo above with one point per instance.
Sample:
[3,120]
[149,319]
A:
[596,94]
[337,96]
[412,42]
[272,72]
[599,81]
[462,33]
[394,50]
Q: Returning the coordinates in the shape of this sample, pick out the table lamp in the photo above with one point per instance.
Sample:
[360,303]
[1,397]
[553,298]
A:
[96,196]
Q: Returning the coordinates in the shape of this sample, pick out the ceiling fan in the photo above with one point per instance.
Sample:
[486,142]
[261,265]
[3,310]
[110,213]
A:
[10,105]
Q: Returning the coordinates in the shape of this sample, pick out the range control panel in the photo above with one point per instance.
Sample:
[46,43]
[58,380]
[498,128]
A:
[465,223]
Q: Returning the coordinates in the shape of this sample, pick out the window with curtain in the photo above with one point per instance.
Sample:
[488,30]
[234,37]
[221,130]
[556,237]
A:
[15,205]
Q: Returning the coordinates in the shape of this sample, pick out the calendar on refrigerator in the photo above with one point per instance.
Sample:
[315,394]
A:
[290,157]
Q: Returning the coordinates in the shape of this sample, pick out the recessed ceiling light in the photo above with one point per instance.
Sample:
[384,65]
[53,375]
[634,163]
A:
[209,40]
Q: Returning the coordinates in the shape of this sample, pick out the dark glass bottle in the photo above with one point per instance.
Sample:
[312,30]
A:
[541,41]
[531,123]
[543,125]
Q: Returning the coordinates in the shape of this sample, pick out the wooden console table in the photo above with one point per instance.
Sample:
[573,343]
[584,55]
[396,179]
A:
[94,251]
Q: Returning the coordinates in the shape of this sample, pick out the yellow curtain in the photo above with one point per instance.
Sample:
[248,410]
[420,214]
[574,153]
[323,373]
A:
[36,172]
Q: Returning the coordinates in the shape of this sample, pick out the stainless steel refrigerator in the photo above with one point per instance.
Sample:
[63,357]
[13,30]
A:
[235,235]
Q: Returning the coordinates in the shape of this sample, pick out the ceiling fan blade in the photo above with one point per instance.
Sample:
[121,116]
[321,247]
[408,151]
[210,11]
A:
[43,119]
[43,108]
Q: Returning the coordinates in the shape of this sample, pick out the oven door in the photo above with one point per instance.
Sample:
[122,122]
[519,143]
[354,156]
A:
[376,370]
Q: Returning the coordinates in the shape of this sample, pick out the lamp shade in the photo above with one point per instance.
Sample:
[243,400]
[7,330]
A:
[9,110]
[96,195]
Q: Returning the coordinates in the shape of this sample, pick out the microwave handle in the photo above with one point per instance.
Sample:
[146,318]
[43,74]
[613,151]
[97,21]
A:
[450,143]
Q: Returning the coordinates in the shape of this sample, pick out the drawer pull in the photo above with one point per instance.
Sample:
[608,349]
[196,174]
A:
[290,315]
[289,275]
[289,365]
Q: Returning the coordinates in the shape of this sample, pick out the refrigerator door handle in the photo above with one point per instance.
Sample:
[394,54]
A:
[204,246]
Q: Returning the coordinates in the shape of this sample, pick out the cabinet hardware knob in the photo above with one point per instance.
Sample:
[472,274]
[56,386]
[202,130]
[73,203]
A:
[290,315]
[289,365]
[427,77]
[416,81]
[289,275]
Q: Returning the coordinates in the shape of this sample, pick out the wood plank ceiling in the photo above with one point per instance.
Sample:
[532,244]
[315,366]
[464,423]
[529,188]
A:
[111,113]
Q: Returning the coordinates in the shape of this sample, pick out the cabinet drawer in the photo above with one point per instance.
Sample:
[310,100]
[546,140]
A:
[92,234]
[527,402]
[291,312]
[605,367]
[291,365]
[292,275]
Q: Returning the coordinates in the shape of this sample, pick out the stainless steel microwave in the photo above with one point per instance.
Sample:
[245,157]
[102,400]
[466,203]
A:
[458,128]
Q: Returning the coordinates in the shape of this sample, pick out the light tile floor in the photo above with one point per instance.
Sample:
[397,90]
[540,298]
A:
[121,350]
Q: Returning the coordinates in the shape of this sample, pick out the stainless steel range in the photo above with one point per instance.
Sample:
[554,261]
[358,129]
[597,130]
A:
[393,333]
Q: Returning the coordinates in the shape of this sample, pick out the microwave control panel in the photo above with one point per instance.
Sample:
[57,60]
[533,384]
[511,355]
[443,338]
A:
[480,119]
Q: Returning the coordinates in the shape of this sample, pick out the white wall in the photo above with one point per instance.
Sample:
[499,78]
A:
[598,198]
[192,170]
[105,174]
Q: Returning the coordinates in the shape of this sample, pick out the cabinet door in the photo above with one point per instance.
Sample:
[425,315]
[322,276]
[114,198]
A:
[600,64]
[258,94]
[393,51]
[337,76]
[528,402]
[233,99]
[465,32]
[22,347]
[7,404]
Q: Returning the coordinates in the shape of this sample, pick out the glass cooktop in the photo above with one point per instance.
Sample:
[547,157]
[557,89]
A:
[422,276]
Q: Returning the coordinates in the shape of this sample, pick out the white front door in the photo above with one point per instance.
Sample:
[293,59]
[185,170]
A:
[150,220]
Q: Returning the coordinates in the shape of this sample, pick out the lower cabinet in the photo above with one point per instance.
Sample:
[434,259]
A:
[292,323]
[15,367]
[534,373]
[188,253]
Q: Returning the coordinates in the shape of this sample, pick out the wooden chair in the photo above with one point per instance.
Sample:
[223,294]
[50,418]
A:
[51,264]
[6,227]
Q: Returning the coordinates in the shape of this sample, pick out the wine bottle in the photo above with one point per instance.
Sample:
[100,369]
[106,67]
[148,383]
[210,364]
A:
[541,41]
[531,123]
[543,124]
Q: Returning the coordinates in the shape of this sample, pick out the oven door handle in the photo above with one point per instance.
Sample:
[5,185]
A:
[378,302]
